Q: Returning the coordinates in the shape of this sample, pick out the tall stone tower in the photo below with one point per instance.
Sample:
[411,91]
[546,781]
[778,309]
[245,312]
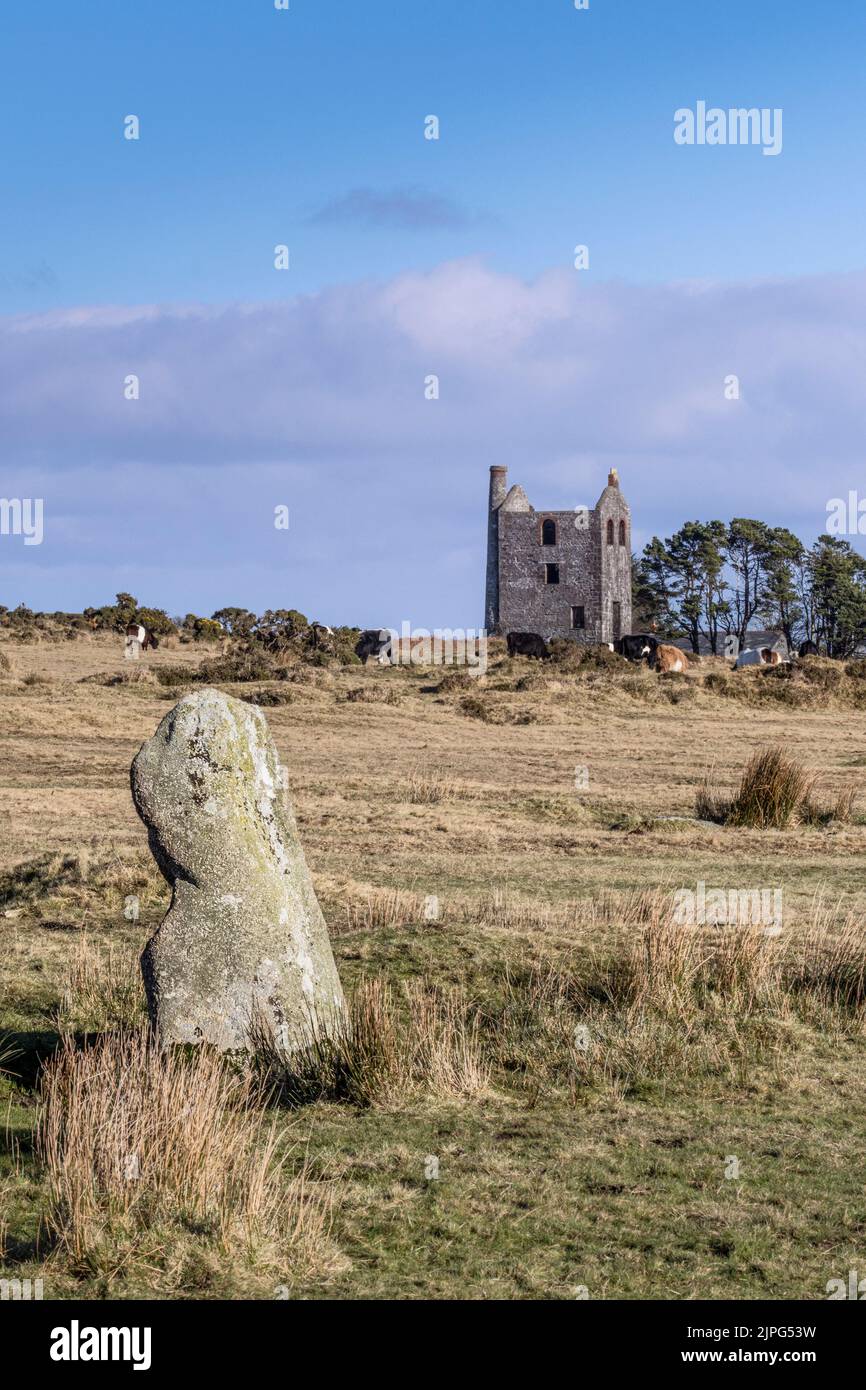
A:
[498,486]
[560,574]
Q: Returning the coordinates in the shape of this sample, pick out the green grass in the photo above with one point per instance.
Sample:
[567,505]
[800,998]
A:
[539,1192]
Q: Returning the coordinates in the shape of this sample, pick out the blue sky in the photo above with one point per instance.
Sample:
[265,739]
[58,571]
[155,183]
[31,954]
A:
[261,387]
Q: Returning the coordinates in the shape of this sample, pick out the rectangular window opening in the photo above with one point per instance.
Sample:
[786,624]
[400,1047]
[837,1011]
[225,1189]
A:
[577,617]
[551,574]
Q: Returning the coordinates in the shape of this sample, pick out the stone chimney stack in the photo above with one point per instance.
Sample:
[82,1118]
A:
[613,478]
[498,489]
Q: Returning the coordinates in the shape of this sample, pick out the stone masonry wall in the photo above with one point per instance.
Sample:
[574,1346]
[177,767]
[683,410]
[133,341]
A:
[592,574]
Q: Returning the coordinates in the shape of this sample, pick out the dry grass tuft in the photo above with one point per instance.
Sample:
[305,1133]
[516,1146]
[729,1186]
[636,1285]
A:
[503,908]
[102,990]
[679,1001]
[377,908]
[385,1049]
[827,974]
[370,695]
[430,786]
[771,792]
[142,1148]
[774,791]
[91,880]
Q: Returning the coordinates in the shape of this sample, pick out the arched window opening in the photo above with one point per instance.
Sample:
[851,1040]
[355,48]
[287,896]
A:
[610,532]
[622,533]
[548,532]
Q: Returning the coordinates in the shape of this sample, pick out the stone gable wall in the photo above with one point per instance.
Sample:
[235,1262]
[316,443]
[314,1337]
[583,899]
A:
[591,573]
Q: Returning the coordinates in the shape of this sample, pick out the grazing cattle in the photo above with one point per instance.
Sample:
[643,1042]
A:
[638,647]
[319,634]
[137,632]
[759,656]
[374,644]
[808,649]
[666,658]
[527,644]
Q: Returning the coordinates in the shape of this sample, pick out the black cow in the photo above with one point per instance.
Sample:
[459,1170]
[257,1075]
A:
[639,647]
[808,649]
[374,642]
[527,644]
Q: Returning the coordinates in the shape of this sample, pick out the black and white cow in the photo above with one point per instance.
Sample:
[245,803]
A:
[374,644]
[527,644]
[639,647]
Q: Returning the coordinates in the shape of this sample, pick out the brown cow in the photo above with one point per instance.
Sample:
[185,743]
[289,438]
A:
[139,633]
[667,658]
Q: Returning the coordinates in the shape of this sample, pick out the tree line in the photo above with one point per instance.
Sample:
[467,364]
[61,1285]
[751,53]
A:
[714,579]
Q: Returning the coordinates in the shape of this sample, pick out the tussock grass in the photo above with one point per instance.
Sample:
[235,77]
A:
[504,908]
[386,1048]
[430,786]
[771,792]
[827,975]
[676,1002]
[102,990]
[373,909]
[476,707]
[775,790]
[143,1150]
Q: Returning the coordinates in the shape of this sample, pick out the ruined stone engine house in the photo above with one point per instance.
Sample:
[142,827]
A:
[560,574]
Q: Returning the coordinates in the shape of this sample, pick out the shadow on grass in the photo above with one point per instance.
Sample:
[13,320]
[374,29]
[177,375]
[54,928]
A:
[26,1053]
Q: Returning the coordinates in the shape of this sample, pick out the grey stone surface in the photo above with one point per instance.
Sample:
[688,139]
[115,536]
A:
[593,574]
[244,938]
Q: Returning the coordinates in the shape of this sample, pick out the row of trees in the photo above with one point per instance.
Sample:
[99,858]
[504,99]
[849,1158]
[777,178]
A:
[715,578]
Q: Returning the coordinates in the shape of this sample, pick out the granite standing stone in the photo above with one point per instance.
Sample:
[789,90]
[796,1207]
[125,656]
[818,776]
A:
[244,939]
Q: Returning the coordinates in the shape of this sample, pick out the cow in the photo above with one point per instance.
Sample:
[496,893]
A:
[666,658]
[319,634]
[808,649]
[374,643]
[527,644]
[759,656]
[137,632]
[639,647]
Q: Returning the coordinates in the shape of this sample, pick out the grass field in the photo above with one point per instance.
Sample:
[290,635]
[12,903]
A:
[597,1075]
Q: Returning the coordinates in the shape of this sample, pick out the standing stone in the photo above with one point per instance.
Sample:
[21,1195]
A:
[244,940]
